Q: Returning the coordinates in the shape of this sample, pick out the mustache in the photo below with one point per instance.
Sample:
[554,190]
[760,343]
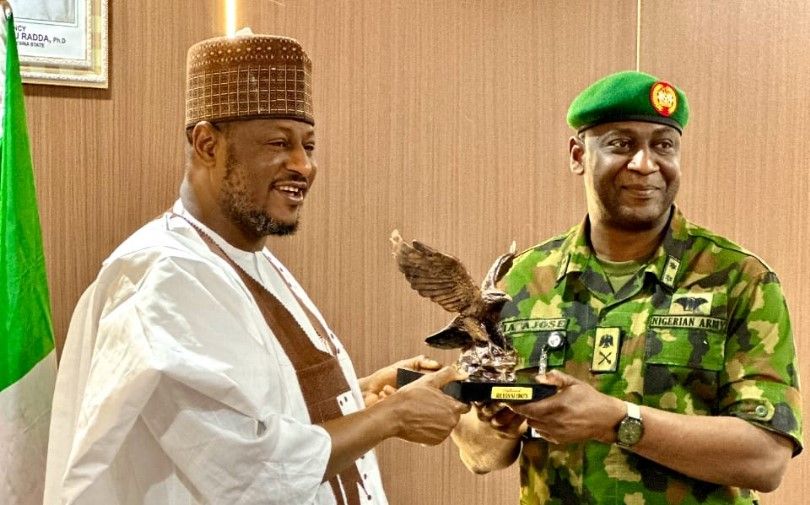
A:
[291,176]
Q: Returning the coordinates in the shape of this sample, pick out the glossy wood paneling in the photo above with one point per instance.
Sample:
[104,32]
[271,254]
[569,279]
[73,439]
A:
[444,119]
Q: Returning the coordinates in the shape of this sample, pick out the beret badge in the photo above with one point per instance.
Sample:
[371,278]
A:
[629,96]
[663,97]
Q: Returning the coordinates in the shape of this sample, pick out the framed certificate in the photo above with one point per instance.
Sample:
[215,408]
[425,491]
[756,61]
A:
[62,42]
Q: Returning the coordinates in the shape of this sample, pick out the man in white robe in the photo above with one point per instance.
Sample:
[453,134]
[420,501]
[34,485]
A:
[173,386]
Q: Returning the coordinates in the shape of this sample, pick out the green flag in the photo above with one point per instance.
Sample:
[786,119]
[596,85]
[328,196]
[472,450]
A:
[27,360]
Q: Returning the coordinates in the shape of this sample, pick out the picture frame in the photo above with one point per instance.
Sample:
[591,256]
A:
[62,42]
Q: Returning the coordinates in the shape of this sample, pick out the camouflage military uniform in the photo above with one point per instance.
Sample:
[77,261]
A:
[703,329]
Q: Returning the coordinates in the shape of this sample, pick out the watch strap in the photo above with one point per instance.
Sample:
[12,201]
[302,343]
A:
[633,411]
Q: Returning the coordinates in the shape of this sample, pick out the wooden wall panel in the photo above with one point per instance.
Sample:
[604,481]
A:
[744,66]
[107,160]
[444,119]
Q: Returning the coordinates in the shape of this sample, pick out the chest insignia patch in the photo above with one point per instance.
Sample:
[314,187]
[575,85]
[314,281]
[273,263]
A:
[691,303]
[606,344]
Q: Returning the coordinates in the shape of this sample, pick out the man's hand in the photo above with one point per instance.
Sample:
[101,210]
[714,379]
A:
[578,412]
[419,412]
[425,414]
[488,437]
[383,382]
[721,449]
[499,417]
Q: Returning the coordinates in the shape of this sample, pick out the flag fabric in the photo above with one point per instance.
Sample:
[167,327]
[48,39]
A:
[27,356]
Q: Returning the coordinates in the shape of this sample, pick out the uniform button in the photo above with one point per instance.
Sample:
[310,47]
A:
[555,340]
[761,410]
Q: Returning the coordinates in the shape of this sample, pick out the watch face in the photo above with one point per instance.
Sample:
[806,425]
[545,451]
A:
[630,431]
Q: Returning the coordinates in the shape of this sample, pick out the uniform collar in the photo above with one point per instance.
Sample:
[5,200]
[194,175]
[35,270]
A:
[665,263]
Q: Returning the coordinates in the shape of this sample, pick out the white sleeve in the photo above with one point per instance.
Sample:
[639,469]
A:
[184,351]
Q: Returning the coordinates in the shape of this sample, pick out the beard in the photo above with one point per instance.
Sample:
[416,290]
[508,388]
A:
[633,222]
[235,203]
[635,217]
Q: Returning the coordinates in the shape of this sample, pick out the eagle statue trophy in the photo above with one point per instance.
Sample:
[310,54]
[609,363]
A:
[485,354]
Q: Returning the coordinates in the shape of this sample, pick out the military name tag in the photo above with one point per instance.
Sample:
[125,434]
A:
[606,350]
[510,327]
[511,393]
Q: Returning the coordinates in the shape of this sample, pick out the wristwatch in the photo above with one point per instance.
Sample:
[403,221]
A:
[630,429]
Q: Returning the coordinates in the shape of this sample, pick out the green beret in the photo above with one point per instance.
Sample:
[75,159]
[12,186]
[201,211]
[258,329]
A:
[629,96]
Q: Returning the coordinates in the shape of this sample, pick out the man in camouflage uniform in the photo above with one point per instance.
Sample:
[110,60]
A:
[670,345]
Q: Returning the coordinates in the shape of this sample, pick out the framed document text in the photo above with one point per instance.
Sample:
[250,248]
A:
[62,42]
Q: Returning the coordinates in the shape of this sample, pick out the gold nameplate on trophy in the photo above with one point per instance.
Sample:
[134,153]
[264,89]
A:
[511,393]
[467,391]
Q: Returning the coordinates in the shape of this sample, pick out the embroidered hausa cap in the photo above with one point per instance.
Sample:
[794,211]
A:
[248,76]
[629,96]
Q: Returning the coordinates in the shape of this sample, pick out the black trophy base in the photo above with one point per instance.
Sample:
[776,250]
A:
[467,391]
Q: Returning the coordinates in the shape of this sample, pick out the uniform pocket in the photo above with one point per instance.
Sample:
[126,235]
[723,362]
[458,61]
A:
[529,347]
[682,368]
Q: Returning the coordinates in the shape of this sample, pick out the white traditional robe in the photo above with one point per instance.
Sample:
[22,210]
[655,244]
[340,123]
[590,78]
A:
[172,389]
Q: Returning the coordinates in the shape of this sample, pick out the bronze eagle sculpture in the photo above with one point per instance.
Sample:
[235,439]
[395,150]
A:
[475,329]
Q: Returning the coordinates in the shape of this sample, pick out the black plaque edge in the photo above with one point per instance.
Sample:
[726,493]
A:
[467,391]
